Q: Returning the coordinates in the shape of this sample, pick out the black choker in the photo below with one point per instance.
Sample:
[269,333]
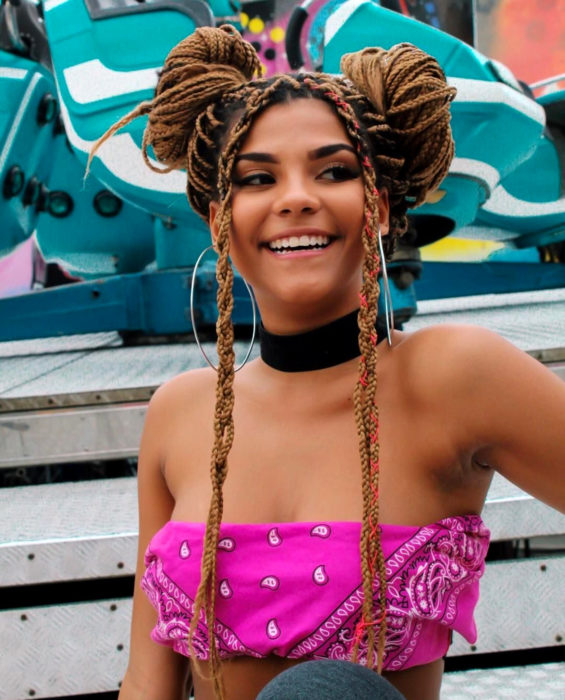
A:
[320,348]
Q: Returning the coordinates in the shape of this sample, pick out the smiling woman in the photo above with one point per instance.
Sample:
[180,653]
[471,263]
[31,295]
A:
[348,533]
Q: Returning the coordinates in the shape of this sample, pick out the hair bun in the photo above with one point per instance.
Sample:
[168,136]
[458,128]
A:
[197,71]
[408,87]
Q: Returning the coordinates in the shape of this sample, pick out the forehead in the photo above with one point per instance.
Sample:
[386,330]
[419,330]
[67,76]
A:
[302,122]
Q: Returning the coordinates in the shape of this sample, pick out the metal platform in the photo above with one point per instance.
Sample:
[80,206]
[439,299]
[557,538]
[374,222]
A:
[87,530]
[541,682]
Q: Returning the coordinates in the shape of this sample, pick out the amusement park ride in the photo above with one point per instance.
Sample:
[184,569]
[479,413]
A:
[71,68]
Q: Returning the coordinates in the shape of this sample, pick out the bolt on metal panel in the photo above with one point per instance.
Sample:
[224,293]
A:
[538,682]
[520,607]
[57,437]
[64,650]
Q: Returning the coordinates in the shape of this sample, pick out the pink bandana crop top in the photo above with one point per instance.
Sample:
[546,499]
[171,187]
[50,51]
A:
[294,589]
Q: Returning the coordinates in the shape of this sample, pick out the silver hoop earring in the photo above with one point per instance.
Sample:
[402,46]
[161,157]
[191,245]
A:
[389,313]
[192,288]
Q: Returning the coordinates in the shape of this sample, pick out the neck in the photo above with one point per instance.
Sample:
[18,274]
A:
[320,348]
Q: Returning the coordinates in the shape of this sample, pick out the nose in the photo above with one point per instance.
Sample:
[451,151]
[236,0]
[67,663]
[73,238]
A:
[297,196]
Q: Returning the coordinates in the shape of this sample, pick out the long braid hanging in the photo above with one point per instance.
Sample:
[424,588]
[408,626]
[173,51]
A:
[223,416]
[365,407]
[223,440]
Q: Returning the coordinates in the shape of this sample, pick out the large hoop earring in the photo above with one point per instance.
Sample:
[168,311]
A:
[192,315]
[389,313]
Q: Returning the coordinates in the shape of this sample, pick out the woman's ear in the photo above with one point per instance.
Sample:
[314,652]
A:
[384,210]
[212,220]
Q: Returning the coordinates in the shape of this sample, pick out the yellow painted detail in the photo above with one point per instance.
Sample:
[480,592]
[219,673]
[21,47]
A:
[244,19]
[277,34]
[256,25]
[435,196]
[459,250]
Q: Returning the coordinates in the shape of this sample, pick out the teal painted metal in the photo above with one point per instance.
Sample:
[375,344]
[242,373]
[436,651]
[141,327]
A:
[26,141]
[106,61]
[468,279]
[152,303]
[177,244]
[529,203]
[496,126]
[80,237]
[104,68]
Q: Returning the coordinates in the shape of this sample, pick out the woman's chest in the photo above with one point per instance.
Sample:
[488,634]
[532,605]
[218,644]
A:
[300,460]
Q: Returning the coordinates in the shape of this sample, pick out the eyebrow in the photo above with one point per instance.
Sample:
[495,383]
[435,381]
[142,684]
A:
[316,154]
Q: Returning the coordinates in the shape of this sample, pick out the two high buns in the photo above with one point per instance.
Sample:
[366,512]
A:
[400,96]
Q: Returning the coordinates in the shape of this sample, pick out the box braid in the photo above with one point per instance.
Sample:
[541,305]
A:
[395,108]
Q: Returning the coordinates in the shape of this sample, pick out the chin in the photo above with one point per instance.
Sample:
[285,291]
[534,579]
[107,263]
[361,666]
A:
[312,300]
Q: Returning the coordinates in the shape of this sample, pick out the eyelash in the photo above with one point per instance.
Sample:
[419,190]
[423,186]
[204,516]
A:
[248,180]
[345,173]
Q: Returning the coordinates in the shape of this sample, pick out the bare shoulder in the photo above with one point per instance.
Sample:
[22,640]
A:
[456,356]
[186,391]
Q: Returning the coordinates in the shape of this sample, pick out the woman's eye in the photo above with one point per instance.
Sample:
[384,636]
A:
[340,173]
[254,179]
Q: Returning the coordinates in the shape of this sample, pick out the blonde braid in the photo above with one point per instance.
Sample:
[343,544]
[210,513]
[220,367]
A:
[223,440]
[364,399]
[223,414]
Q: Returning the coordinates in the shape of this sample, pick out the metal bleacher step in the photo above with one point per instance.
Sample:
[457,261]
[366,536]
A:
[537,682]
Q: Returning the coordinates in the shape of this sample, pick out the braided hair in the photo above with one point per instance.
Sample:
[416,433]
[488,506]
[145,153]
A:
[394,105]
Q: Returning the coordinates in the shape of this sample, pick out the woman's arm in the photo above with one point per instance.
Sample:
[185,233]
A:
[515,409]
[154,672]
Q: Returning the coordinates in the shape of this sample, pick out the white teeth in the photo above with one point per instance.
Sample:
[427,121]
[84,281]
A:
[282,244]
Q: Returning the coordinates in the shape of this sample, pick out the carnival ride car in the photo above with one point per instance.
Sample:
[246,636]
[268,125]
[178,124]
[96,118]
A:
[71,68]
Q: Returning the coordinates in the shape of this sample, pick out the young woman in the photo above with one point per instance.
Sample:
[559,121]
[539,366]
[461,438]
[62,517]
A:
[347,525]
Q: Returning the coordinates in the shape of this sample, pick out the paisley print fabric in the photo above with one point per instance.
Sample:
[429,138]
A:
[294,589]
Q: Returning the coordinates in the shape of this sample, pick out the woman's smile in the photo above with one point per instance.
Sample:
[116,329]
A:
[301,241]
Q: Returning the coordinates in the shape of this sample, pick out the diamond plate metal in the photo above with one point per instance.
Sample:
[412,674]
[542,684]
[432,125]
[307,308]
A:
[541,682]
[532,321]
[520,607]
[56,437]
[75,649]
[64,650]
[99,369]
[60,532]
[511,513]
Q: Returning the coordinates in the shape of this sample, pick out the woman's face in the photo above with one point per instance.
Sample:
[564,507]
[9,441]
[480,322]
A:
[297,214]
